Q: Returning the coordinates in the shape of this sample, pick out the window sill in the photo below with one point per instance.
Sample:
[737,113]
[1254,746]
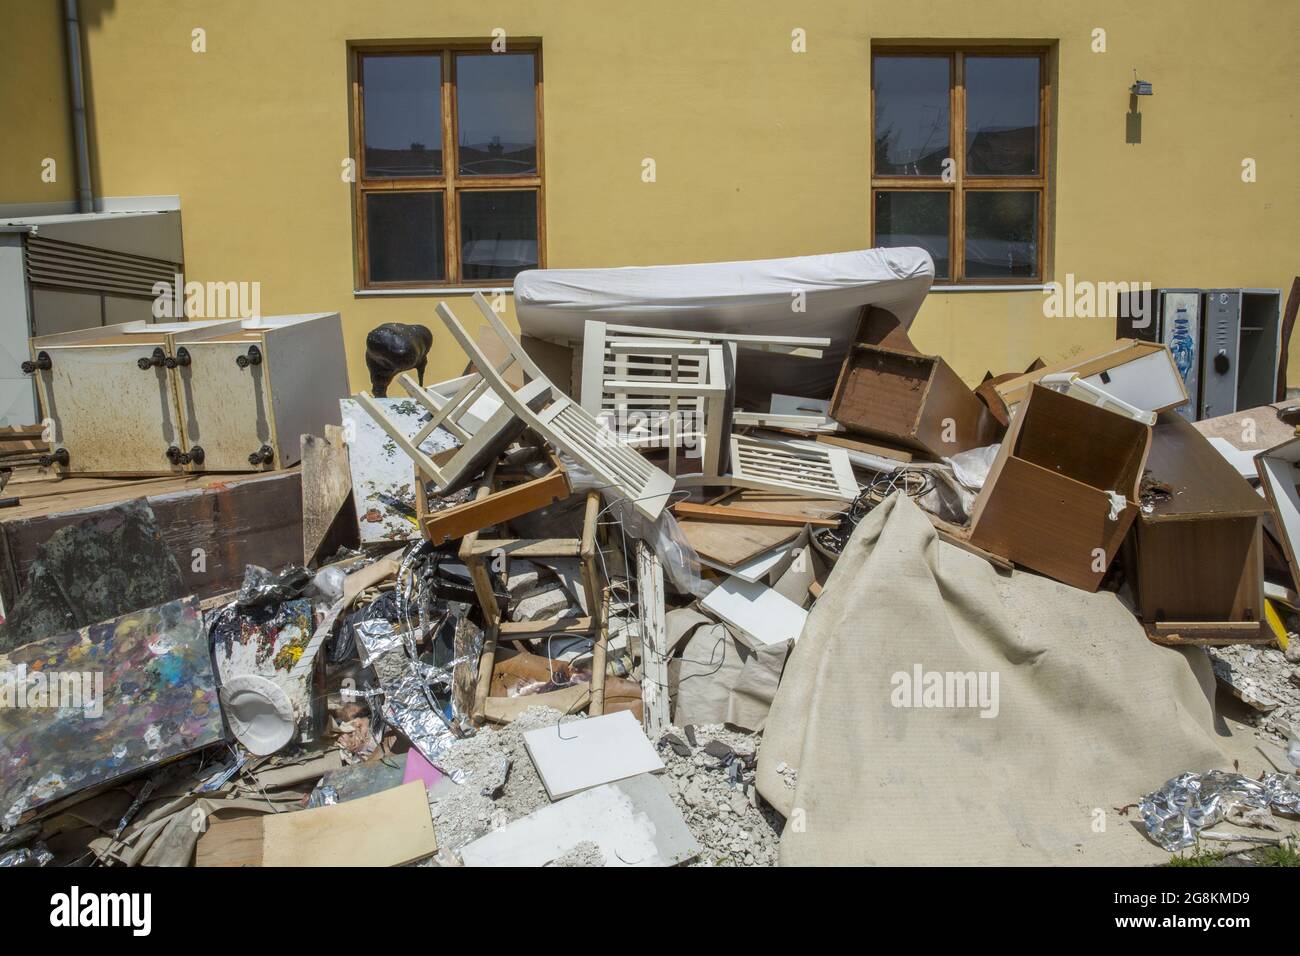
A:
[432,290]
[1038,287]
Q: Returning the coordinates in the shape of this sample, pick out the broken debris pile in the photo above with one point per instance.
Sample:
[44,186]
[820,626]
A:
[670,586]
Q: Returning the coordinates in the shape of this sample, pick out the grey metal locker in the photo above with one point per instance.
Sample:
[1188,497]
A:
[1219,358]
[1260,348]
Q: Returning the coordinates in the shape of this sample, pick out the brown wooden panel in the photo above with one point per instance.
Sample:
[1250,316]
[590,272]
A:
[1211,570]
[1082,441]
[1049,523]
[910,399]
[256,520]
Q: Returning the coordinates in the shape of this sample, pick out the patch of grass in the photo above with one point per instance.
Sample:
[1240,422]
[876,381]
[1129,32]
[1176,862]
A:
[1284,855]
[1197,856]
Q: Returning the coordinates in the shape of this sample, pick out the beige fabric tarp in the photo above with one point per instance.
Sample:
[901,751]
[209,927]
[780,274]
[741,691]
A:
[717,679]
[1090,715]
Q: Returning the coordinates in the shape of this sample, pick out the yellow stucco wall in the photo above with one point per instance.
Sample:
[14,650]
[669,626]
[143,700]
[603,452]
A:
[760,151]
[34,104]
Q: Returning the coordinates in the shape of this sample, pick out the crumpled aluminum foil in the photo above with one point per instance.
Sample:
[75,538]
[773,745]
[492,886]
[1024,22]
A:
[326,796]
[377,637]
[407,707]
[1192,801]
[35,855]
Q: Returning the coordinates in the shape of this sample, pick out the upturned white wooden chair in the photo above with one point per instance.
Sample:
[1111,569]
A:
[568,426]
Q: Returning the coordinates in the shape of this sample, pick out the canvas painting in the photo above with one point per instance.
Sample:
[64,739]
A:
[89,706]
[383,478]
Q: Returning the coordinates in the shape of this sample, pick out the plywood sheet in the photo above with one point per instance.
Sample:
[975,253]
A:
[387,829]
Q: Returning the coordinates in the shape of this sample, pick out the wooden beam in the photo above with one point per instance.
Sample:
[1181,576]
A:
[495,507]
[686,509]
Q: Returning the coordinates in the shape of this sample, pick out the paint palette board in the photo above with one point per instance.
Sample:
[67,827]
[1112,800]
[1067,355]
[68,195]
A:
[383,477]
[118,697]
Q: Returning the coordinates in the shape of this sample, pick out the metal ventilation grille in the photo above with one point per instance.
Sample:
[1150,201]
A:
[69,265]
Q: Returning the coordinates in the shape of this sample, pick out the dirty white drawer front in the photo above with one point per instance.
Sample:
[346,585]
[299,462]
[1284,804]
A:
[110,414]
[225,404]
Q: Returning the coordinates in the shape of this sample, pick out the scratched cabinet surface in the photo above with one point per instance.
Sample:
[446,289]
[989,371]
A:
[225,402]
[111,405]
[157,399]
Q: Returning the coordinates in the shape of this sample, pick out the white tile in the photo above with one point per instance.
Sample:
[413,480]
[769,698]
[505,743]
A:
[576,755]
[758,612]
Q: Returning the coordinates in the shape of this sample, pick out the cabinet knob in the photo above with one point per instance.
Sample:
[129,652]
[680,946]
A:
[197,454]
[58,457]
[42,363]
[262,456]
[252,357]
[182,359]
[156,360]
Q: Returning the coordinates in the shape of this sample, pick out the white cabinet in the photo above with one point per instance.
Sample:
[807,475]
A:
[145,399]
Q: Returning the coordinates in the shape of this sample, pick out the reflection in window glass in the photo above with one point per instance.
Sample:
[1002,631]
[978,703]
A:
[1002,128]
[915,218]
[496,111]
[402,106]
[1001,234]
[404,236]
[498,234]
[912,121]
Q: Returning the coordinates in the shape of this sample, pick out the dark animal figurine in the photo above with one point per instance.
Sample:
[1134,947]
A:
[392,348]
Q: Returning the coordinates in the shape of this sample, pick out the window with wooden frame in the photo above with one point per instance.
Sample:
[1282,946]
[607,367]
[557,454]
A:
[449,177]
[960,157]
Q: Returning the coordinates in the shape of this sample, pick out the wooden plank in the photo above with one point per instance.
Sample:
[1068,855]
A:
[236,842]
[551,626]
[855,444]
[389,828]
[654,641]
[528,547]
[1208,633]
[326,488]
[685,509]
[495,507]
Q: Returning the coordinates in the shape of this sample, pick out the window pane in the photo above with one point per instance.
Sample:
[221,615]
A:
[1002,132]
[911,121]
[404,237]
[496,111]
[915,218]
[498,234]
[1001,234]
[402,114]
